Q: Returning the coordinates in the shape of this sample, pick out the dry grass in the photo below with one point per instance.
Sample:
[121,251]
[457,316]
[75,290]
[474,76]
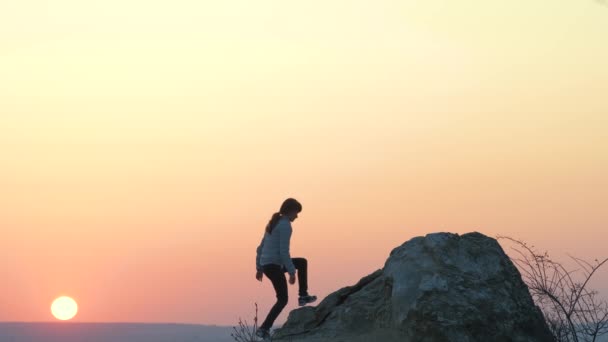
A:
[244,332]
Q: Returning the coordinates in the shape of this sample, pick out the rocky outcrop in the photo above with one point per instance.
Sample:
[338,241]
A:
[440,287]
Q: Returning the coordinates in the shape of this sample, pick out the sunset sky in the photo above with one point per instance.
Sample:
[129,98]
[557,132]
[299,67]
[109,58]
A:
[144,145]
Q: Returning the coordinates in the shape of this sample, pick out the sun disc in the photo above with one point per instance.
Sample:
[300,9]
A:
[64,308]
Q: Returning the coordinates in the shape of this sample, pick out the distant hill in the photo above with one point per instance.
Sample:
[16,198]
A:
[112,332]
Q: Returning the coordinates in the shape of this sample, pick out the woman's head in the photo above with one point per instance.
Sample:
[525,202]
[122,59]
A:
[289,209]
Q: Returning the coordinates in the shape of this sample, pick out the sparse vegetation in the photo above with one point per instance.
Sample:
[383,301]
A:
[573,312]
[244,332]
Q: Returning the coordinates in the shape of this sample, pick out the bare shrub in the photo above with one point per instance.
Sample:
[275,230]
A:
[573,312]
[244,332]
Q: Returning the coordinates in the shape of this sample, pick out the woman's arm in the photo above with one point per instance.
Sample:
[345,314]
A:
[258,267]
[284,240]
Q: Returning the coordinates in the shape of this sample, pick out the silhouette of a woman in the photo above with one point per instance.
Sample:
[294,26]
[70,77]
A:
[273,260]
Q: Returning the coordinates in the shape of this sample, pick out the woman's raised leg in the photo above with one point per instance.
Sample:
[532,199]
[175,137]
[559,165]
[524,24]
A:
[301,265]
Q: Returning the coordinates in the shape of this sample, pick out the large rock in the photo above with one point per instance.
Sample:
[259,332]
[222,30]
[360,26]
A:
[441,287]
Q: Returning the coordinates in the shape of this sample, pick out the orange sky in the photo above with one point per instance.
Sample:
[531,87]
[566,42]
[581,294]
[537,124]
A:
[144,147]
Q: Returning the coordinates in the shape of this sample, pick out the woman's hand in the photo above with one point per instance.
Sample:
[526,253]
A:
[259,275]
[292,279]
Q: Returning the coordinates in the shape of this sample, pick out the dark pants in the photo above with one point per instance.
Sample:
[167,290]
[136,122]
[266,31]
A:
[276,274]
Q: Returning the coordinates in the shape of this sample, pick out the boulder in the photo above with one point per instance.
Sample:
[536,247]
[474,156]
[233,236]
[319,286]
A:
[440,287]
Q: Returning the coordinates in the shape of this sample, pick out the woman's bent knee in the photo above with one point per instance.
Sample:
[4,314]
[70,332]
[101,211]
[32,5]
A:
[300,262]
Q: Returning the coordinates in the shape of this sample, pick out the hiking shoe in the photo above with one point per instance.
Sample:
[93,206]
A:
[262,333]
[303,300]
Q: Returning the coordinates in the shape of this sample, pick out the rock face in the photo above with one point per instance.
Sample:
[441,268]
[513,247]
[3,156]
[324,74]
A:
[440,287]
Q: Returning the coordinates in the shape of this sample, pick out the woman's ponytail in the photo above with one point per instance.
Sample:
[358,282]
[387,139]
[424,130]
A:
[273,222]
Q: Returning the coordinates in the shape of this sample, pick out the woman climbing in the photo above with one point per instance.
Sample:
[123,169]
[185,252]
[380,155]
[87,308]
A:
[273,260]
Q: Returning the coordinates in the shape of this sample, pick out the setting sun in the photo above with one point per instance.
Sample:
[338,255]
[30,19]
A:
[64,308]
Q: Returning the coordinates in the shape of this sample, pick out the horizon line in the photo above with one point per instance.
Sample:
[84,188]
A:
[124,323]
